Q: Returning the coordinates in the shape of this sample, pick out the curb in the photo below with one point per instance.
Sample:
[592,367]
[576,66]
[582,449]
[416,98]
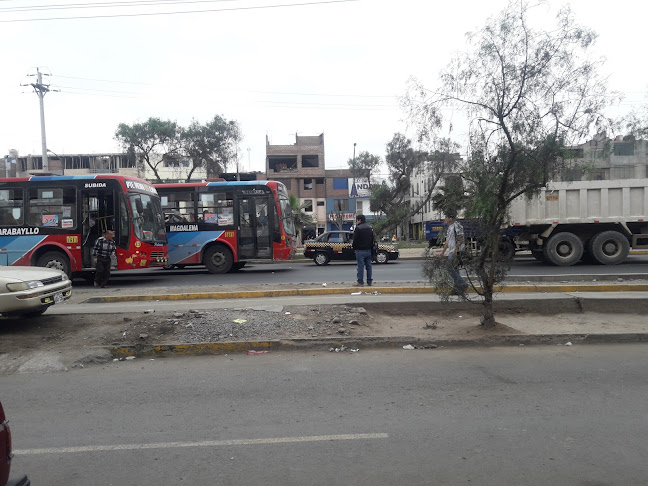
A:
[167,350]
[568,288]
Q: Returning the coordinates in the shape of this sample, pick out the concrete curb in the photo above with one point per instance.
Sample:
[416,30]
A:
[567,288]
[358,343]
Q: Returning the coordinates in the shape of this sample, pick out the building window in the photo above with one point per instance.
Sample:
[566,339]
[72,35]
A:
[624,148]
[622,172]
[359,205]
[340,183]
[310,161]
[319,180]
[341,205]
[308,184]
[320,203]
[282,164]
[308,205]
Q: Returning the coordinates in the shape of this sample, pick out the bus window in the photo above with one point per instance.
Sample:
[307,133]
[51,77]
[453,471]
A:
[11,207]
[53,207]
[216,208]
[178,207]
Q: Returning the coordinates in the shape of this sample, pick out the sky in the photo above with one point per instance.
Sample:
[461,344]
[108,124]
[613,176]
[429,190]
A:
[278,67]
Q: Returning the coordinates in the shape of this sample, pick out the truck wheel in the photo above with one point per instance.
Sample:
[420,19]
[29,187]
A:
[321,258]
[564,249]
[218,259]
[54,259]
[506,250]
[609,247]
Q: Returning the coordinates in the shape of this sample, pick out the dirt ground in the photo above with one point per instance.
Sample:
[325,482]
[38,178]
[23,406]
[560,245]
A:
[71,333]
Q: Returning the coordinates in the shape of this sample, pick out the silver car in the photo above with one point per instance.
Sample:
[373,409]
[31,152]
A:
[29,291]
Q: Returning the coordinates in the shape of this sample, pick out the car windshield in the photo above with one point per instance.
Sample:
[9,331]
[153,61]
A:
[148,222]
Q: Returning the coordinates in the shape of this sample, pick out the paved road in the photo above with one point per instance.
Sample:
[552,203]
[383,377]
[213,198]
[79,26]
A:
[493,416]
[344,272]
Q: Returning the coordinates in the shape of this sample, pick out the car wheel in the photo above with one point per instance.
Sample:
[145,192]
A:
[321,258]
[218,259]
[382,257]
[54,259]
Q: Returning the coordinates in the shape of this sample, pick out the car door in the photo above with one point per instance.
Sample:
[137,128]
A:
[347,250]
[337,241]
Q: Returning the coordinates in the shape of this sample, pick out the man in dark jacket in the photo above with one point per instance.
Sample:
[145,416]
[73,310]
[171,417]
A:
[363,243]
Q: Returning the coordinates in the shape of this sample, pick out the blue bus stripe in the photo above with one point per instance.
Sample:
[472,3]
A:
[18,246]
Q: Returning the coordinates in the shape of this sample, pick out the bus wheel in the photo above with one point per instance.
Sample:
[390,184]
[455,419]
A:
[237,266]
[321,258]
[564,249]
[54,259]
[609,247]
[218,259]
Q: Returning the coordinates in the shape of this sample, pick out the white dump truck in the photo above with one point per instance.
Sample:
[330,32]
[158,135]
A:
[595,221]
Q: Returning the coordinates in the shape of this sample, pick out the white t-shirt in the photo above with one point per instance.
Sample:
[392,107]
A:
[454,229]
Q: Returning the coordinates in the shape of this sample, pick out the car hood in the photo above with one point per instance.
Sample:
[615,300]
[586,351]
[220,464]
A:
[21,274]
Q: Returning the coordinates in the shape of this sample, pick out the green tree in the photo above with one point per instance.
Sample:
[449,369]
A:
[364,166]
[152,141]
[212,146]
[404,163]
[302,218]
[528,94]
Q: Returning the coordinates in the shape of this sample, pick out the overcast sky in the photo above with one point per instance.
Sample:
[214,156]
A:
[331,67]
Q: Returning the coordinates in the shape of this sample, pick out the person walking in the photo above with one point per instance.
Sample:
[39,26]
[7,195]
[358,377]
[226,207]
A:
[363,244]
[103,249]
[453,249]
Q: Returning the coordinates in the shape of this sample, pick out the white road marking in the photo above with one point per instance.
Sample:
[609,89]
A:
[205,443]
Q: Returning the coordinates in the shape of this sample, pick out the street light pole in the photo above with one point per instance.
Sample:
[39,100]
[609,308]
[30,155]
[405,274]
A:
[354,167]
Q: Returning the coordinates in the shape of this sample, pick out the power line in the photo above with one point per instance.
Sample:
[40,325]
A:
[149,14]
[136,3]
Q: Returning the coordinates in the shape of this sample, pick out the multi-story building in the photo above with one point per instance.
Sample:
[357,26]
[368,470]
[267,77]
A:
[332,197]
[603,158]
[170,170]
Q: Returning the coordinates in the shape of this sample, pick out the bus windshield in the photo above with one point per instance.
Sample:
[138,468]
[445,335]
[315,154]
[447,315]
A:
[148,224]
[286,211]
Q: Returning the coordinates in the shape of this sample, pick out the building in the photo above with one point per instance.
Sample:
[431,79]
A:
[603,158]
[332,197]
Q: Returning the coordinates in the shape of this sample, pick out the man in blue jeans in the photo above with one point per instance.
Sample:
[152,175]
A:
[363,243]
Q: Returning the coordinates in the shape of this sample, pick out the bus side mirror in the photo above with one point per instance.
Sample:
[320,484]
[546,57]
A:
[139,206]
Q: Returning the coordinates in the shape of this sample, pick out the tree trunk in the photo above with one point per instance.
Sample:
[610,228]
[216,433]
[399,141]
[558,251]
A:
[488,319]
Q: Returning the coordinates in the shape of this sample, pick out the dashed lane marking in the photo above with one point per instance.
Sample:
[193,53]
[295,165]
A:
[205,443]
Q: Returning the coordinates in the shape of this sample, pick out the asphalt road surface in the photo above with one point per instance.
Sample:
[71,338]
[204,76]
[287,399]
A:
[490,416]
[345,272]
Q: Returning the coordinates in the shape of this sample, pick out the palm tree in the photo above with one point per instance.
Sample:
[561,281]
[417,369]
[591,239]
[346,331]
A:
[302,219]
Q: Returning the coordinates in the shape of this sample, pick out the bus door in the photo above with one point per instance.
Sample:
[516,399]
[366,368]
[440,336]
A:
[254,228]
[98,208]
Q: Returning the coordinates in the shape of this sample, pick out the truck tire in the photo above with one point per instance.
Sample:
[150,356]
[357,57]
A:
[563,249]
[54,259]
[218,259]
[609,247]
[506,250]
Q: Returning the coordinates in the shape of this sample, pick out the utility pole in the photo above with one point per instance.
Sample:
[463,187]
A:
[41,90]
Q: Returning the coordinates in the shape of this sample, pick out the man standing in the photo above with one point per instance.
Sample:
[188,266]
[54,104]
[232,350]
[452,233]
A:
[103,249]
[452,249]
[363,243]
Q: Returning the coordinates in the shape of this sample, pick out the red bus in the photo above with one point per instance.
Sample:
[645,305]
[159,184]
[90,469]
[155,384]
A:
[223,225]
[53,221]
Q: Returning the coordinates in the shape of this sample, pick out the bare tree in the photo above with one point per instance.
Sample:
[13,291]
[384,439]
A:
[528,94]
